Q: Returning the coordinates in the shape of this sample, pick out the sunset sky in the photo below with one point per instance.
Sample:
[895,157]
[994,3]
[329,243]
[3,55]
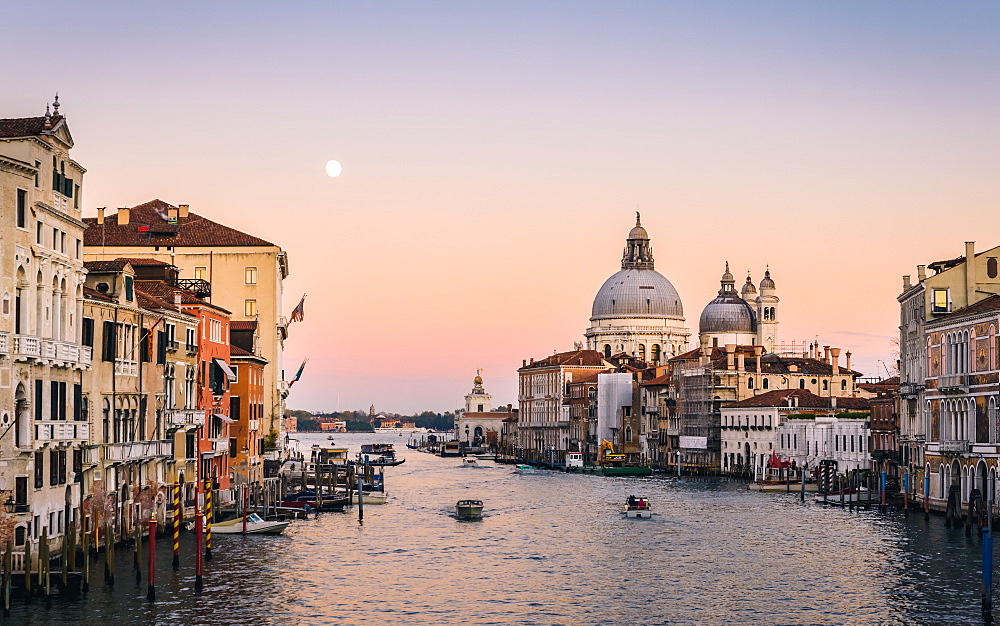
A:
[495,154]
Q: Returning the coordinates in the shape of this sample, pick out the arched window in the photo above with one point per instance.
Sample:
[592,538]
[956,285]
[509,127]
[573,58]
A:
[826,385]
[20,534]
[764,384]
[843,385]
[750,383]
[802,383]
[654,353]
[607,351]
[642,352]
[628,434]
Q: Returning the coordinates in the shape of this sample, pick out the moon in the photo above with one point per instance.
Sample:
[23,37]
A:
[334,169]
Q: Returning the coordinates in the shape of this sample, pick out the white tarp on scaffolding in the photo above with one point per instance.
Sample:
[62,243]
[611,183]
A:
[613,392]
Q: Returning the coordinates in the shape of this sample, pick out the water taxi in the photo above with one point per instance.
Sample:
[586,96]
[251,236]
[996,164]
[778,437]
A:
[254,525]
[469,509]
[637,507]
[469,462]
[524,469]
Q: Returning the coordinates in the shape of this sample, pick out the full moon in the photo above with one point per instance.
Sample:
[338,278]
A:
[334,168]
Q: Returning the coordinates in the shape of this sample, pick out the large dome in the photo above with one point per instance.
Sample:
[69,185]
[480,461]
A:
[728,313]
[637,293]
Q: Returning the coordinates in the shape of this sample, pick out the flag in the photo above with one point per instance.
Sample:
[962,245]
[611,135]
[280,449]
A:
[298,374]
[300,310]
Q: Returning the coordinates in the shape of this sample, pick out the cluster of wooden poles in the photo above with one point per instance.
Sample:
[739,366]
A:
[39,581]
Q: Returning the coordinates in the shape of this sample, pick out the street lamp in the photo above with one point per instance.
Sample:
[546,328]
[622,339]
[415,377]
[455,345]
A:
[9,505]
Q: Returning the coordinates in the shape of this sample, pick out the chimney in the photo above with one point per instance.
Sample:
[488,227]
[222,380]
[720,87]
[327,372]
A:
[730,353]
[123,216]
[812,350]
[177,299]
[758,351]
[524,363]
[847,364]
[172,215]
[833,402]
[826,354]
[906,283]
[970,272]
[183,210]
[921,273]
[739,362]
[834,358]
[100,215]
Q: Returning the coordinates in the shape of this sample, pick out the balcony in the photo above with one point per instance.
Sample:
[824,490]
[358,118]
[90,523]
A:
[953,384]
[126,368]
[138,450]
[909,390]
[26,347]
[59,353]
[219,446]
[200,287]
[954,446]
[253,425]
[173,346]
[59,430]
[4,344]
[185,418]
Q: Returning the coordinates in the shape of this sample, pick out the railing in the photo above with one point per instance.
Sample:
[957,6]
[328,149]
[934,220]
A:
[953,381]
[220,445]
[86,355]
[136,450]
[954,446]
[4,343]
[48,350]
[253,425]
[126,368]
[201,288]
[182,418]
[61,431]
[26,346]
[91,455]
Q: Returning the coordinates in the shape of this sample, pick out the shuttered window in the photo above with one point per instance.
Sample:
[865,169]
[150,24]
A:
[108,342]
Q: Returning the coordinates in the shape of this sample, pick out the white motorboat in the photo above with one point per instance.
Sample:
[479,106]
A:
[370,497]
[638,507]
[469,509]
[470,462]
[255,525]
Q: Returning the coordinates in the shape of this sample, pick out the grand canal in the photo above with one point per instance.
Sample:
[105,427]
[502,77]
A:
[553,548]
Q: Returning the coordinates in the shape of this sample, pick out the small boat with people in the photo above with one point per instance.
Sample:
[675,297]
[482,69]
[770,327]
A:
[469,509]
[524,469]
[470,461]
[379,455]
[638,507]
[255,525]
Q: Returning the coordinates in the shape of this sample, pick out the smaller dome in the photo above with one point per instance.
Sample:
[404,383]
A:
[728,313]
[748,287]
[478,380]
[727,277]
[767,283]
[638,232]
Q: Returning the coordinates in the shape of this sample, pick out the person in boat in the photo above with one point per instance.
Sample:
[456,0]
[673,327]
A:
[631,501]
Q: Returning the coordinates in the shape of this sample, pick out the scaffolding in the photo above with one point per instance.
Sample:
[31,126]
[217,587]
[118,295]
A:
[698,414]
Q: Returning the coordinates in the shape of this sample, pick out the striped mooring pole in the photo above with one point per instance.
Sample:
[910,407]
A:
[177,524]
[208,520]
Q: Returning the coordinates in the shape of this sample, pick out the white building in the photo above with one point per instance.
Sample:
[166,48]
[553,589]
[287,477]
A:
[637,311]
[836,432]
[478,424]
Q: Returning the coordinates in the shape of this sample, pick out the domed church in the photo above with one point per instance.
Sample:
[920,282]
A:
[744,318]
[637,311]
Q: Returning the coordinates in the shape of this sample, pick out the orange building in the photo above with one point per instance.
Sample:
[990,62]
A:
[246,408]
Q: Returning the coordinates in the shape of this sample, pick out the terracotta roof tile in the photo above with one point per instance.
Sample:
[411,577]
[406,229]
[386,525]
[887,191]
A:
[27,126]
[94,294]
[193,230]
[238,351]
[162,290]
[105,266]
[983,306]
[659,380]
[806,400]
[243,325]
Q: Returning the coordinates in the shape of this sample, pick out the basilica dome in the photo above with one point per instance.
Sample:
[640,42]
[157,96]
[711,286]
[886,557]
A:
[637,293]
[728,312]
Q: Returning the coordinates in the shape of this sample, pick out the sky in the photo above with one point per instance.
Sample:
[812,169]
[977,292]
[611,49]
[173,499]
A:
[495,154]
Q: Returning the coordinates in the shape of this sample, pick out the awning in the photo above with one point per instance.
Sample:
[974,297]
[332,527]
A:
[225,368]
[224,418]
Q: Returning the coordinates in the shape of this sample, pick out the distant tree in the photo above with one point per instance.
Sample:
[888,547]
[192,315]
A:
[359,427]
[307,424]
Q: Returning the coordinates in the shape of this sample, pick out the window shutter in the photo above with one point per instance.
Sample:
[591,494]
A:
[78,403]
[161,347]
[108,353]
[234,407]
[39,389]
[144,347]
[62,401]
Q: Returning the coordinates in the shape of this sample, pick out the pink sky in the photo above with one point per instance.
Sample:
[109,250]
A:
[494,155]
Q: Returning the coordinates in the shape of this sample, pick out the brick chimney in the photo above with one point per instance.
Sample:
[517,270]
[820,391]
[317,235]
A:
[834,358]
[172,215]
[847,364]
[183,209]
[970,272]
[100,215]
[906,283]
[730,354]
[740,362]
[123,216]
[758,352]
[921,273]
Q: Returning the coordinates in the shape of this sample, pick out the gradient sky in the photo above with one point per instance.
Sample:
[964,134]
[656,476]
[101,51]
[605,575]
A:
[495,152]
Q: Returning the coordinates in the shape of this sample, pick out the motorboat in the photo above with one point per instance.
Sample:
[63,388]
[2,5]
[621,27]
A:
[379,455]
[780,485]
[470,462]
[308,500]
[524,469]
[255,525]
[329,437]
[469,509]
[370,497]
[638,507]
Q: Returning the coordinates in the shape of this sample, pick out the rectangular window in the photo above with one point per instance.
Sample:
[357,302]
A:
[62,242]
[78,245]
[38,233]
[232,447]
[128,288]
[39,470]
[54,400]
[22,208]
[38,170]
[940,301]
[250,308]
[108,342]
[201,273]
[161,347]
[78,413]
[87,335]
[144,348]
[39,390]
[234,407]
[250,275]
[53,467]
[55,238]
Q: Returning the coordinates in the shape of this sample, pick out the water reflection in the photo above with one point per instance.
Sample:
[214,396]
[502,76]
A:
[554,548]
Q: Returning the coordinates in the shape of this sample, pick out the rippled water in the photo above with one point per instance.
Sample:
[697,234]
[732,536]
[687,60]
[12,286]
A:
[553,548]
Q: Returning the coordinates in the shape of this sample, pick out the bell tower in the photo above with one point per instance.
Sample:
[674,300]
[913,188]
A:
[767,314]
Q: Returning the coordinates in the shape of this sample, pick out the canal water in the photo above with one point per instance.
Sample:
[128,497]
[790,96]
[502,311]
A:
[553,548]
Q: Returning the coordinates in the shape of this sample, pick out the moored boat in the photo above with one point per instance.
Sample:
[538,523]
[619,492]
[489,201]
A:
[638,507]
[255,525]
[369,497]
[780,486]
[469,509]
